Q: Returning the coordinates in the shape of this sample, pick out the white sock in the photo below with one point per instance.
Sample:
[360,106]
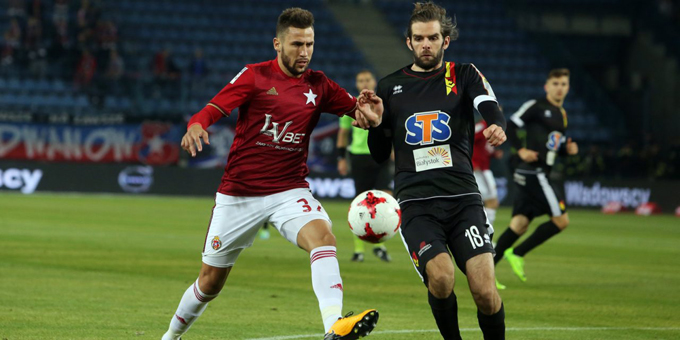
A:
[491,215]
[327,284]
[192,305]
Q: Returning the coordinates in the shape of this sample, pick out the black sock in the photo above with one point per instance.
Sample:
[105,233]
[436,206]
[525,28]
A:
[493,326]
[504,242]
[542,234]
[445,313]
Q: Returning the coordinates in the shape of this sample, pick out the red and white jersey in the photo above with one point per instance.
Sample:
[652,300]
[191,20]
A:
[481,155]
[277,114]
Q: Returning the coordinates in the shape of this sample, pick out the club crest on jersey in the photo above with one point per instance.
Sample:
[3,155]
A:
[450,78]
[216,243]
[427,127]
[555,140]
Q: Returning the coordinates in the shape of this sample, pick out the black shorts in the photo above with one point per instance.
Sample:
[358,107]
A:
[536,196]
[368,174]
[434,226]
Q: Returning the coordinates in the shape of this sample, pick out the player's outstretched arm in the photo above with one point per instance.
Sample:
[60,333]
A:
[192,139]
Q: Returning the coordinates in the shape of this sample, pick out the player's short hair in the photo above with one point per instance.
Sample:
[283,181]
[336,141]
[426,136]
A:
[294,17]
[558,73]
[429,11]
[365,71]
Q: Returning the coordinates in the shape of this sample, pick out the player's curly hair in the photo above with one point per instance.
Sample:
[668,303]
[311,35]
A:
[294,17]
[429,11]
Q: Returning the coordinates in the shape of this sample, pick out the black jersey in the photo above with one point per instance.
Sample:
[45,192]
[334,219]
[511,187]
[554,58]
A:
[430,118]
[545,125]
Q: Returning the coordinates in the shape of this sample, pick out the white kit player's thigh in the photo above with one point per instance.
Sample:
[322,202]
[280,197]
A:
[487,184]
[293,209]
[233,226]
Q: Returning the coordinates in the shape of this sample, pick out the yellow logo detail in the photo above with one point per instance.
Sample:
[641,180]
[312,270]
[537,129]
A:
[438,151]
[450,81]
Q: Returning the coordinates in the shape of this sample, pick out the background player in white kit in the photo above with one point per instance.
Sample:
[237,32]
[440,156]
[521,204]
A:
[279,105]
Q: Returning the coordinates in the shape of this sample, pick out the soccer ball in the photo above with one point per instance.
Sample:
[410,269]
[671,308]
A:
[374,216]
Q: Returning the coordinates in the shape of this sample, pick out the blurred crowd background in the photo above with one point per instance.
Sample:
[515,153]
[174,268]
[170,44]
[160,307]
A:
[167,58]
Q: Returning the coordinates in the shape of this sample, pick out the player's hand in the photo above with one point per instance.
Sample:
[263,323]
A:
[572,147]
[369,110]
[528,156]
[343,167]
[495,135]
[192,139]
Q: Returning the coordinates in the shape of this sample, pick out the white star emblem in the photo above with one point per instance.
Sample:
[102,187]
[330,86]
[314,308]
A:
[311,97]
[156,144]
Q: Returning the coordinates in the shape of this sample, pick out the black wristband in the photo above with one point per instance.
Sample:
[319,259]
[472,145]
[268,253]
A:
[342,153]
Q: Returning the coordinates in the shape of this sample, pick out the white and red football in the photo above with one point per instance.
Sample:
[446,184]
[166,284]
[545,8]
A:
[374,216]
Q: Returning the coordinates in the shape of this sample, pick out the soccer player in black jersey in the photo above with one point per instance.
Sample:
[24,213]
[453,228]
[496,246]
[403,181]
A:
[429,120]
[543,122]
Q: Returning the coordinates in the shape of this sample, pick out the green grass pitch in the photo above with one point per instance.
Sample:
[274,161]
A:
[115,267]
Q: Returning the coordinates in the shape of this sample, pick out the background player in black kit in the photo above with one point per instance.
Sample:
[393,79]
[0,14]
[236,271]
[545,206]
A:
[429,120]
[544,122]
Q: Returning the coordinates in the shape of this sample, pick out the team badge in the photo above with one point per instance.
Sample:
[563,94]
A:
[216,243]
[562,206]
[414,257]
[424,128]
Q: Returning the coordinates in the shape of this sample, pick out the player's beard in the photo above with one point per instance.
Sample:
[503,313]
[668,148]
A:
[429,64]
[291,66]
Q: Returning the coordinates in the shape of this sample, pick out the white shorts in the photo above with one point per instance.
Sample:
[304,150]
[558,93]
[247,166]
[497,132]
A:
[236,220]
[486,183]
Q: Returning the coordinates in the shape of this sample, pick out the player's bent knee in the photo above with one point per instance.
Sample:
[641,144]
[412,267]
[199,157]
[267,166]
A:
[440,284]
[519,224]
[440,275]
[561,222]
[492,203]
[487,300]
[328,239]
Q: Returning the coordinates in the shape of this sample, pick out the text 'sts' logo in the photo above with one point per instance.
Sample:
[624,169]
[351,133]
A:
[427,127]
[555,140]
[277,137]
